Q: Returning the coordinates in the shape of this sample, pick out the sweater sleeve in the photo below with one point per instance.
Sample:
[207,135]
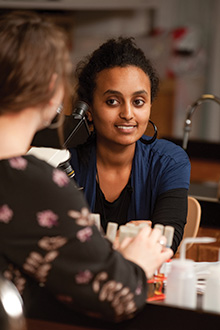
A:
[171,209]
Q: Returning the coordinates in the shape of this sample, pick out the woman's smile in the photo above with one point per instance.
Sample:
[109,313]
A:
[121,104]
[127,129]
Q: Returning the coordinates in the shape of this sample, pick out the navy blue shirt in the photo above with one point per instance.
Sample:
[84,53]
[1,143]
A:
[157,168]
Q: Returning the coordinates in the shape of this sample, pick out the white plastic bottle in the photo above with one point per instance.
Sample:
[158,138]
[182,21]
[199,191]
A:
[211,298]
[181,284]
[181,279]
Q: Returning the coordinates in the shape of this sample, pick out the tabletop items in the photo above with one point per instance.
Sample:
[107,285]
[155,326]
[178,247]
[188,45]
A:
[211,299]
[181,285]
[128,230]
[97,221]
[131,229]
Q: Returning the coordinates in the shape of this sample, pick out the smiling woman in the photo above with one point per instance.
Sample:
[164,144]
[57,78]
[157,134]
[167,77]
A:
[120,111]
[125,174]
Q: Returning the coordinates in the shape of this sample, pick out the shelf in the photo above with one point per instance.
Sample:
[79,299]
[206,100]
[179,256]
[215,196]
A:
[80,5]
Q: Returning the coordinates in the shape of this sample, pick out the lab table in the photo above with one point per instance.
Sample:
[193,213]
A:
[154,316]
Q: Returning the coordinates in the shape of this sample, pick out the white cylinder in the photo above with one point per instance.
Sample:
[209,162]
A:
[181,284]
[160,227]
[133,231]
[111,231]
[123,232]
[142,225]
[211,298]
[96,218]
[168,233]
[130,224]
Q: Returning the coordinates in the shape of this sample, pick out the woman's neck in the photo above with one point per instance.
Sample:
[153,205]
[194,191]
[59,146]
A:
[114,168]
[115,156]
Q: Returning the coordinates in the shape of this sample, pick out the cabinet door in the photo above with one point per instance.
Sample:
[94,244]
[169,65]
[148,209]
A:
[205,252]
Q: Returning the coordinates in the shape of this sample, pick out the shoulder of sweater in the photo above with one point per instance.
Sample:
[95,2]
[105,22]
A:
[165,148]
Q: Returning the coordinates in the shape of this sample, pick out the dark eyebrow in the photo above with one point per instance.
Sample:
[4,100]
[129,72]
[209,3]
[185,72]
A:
[141,92]
[112,91]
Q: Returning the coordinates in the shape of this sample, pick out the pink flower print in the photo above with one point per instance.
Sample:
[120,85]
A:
[47,218]
[139,289]
[84,234]
[60,178]
[52,243]
[5,213]
[83,218]
[19,163]
[83,277]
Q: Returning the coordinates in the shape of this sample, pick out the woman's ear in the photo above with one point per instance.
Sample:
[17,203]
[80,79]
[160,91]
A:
[89,115]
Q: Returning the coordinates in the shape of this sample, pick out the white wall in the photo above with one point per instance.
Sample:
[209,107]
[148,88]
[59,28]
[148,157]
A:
[204,15]
[92,28]
[213,112]
[134,18]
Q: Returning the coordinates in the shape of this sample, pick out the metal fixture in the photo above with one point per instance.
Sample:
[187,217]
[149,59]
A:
[11,307]
[190,110]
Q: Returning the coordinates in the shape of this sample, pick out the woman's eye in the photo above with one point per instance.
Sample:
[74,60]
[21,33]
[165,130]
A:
[139,102]
[112,102]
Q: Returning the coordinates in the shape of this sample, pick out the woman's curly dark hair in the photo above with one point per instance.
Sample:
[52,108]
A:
[119,52]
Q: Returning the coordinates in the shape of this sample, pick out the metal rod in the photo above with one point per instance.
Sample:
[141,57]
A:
[190,110]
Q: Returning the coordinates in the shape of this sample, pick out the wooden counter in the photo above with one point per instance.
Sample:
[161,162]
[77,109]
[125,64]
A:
[205,252]
[205,170]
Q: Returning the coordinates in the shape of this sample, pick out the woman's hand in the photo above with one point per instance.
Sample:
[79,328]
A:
[146,250]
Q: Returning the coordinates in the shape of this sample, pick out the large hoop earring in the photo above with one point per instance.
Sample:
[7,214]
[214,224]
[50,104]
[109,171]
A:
[153,137]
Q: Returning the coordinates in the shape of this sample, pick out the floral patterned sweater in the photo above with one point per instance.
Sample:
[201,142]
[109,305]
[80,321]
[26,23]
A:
[50,248]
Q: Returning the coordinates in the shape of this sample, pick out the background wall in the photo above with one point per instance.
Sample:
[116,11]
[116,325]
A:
[194,75]
[203,17]
[192,70]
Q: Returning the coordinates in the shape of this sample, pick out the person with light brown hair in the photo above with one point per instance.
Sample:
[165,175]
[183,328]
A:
[49,245]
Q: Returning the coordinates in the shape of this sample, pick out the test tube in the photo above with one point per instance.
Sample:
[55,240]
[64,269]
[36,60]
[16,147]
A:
[142,225]
[133,231]
[111,231]
[96,218]
[159,226]
[130,224]
[123,232]
[168,233]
